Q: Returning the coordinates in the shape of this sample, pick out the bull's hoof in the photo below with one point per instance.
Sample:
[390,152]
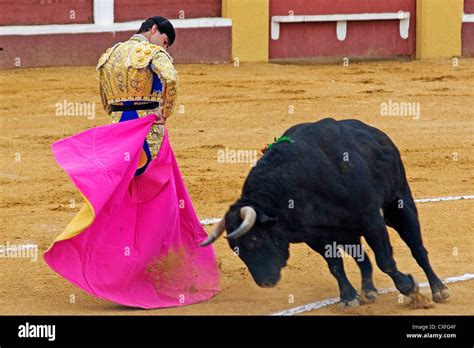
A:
[368,296]
[349,303]
[441,296]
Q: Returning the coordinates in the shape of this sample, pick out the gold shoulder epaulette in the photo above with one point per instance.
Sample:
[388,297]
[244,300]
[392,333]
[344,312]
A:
[141,55]
[106,55]
[162,65]
[162,50]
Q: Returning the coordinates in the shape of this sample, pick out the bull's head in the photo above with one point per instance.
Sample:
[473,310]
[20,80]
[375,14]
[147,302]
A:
[257,240]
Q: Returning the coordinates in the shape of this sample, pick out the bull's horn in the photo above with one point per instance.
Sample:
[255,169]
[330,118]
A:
[220,228]
[249,216]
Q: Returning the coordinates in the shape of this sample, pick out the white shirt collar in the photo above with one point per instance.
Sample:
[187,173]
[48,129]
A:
[139,35]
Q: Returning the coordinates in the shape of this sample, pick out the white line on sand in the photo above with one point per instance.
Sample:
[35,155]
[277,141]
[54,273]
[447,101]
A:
[443,199]
[212,221]
[327,302]
[18,247]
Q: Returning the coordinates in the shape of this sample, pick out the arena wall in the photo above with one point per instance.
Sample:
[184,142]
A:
[30,12]
[130,10]
[366,38]
[75,32]
[468,29]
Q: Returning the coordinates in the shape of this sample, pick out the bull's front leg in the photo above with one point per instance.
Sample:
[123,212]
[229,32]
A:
[368,292]
[348,295]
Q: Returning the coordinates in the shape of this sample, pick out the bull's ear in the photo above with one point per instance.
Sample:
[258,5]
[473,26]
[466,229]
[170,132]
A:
[264,219]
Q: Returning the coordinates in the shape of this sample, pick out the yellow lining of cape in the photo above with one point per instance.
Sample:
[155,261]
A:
[86,215]
[79,223]
[143,159]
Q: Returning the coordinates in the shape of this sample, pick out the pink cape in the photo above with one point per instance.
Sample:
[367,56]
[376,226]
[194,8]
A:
[138,238]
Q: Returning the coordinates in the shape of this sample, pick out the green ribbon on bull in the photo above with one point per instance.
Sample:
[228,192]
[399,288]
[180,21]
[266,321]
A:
[282,139]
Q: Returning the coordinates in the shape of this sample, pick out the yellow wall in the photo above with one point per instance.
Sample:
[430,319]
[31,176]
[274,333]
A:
[250,26]
[438,28]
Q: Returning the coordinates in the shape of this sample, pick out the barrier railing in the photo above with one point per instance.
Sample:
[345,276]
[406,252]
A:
[341,21]
[468,18]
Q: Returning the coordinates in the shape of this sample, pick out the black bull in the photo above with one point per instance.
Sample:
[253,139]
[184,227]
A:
[337,181]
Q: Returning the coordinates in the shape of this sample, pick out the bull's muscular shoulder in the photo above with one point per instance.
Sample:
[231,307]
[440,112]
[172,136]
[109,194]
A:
[363,129]
[331,137]
[332,127]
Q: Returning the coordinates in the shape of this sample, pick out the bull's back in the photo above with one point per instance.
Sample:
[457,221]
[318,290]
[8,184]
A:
[344,160]
[336,140]
[329,133]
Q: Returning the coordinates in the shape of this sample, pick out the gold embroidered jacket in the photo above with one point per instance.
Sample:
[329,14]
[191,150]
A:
[137,71]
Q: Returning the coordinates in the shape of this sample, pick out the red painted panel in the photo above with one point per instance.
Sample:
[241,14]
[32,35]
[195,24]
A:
[468,31]
[468,6]
[30,12]
[127,10]
[194,45]
[368,39]
[468,39]
[203,45]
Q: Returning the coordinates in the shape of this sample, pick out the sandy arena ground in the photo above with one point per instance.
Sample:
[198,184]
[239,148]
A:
[245,107]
